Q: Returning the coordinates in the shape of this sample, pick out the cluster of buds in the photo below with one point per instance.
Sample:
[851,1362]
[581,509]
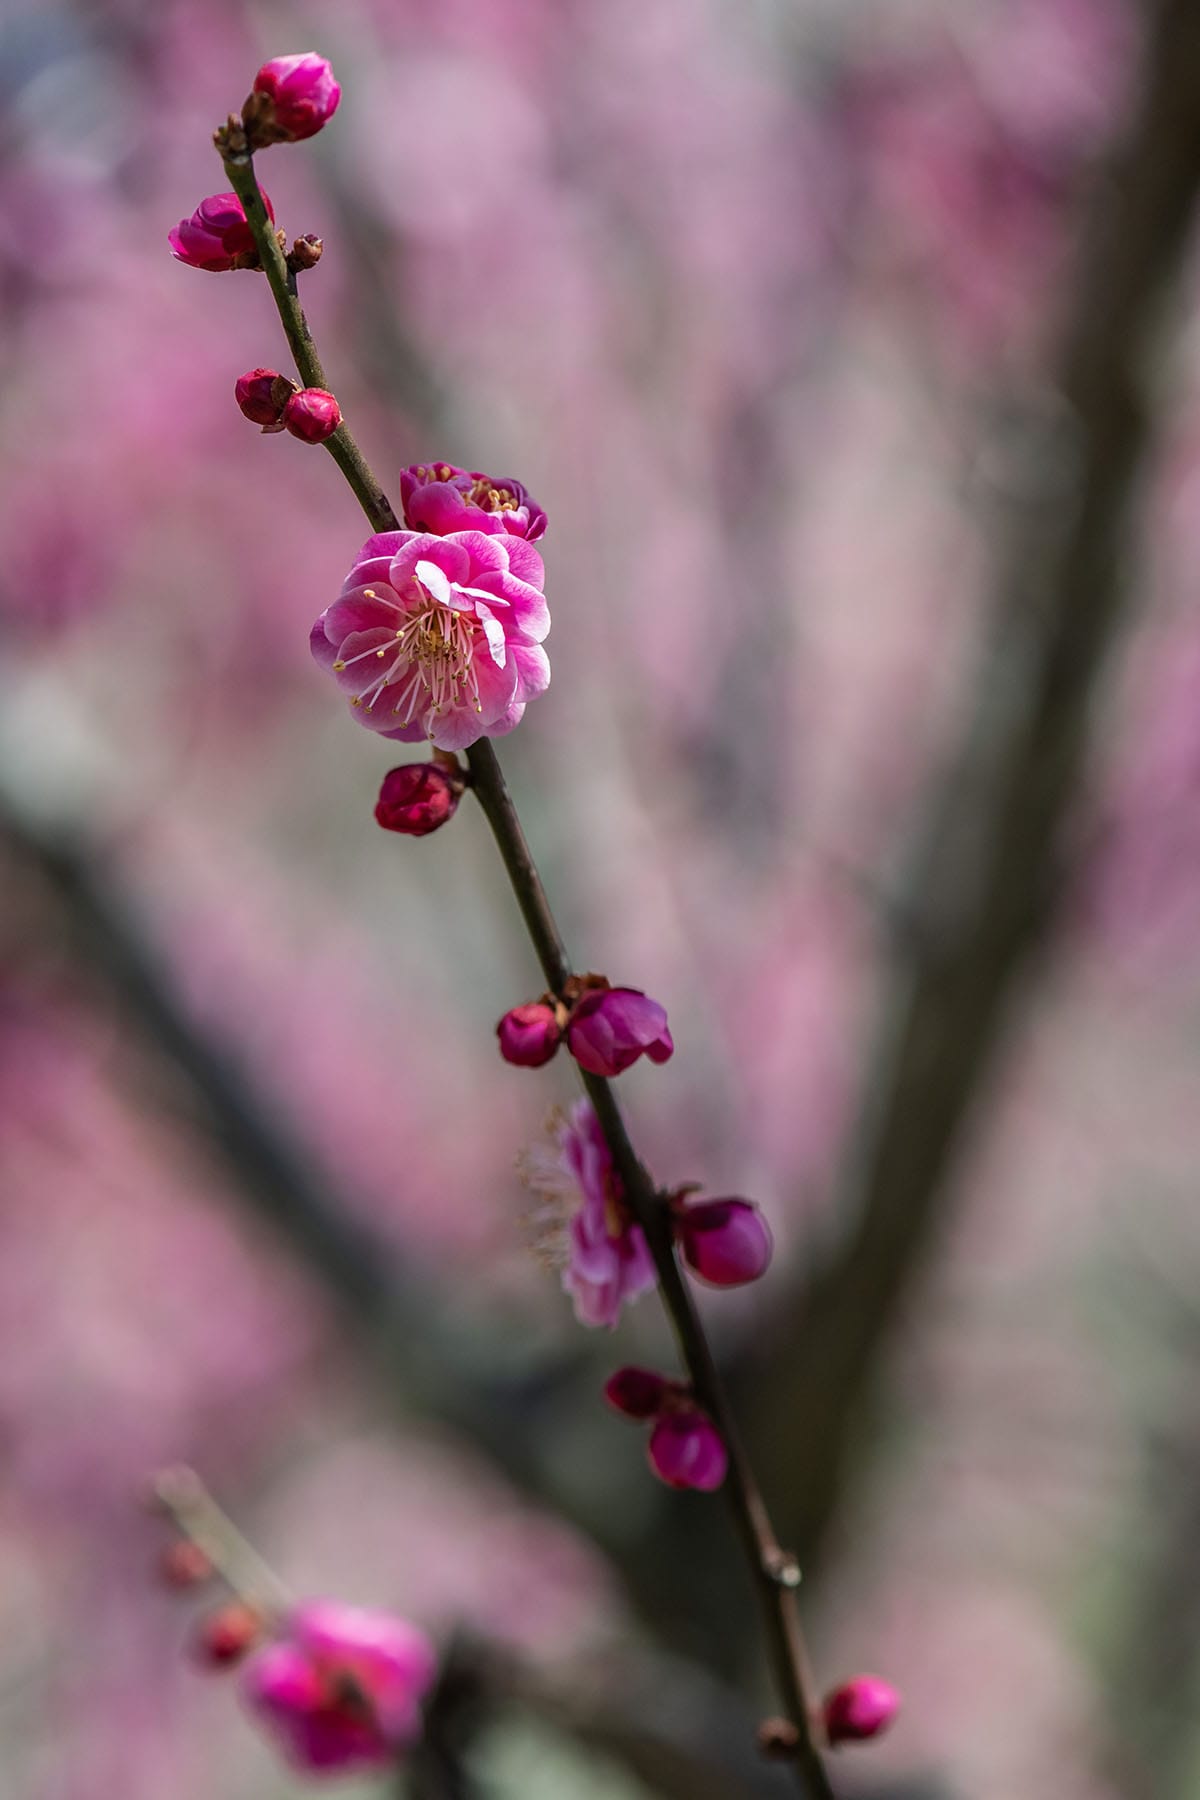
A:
[684,1449]
[606,1028]
[339,1687]
[292,98]
[271,400]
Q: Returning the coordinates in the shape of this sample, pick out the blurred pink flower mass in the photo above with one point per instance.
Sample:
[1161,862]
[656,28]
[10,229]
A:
[343,1687]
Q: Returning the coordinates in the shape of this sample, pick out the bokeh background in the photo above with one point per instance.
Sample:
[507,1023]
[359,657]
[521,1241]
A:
[766,302]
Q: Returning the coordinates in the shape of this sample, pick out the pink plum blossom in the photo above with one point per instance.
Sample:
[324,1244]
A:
[216,237]
[528,1035]
[860,1708]
[685,1451]
[303,92]
[439,498]
[342,1689]
[586,1225]
[438,637]
[725,1242]
[611,1027]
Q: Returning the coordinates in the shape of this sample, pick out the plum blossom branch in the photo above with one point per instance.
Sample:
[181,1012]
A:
[776,1574]
[345,452]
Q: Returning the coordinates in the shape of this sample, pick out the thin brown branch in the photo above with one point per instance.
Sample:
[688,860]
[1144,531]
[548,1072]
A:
[775,1574]
[987,870]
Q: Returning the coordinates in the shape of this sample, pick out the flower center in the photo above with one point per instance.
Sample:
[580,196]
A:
[491,498]
[429,665]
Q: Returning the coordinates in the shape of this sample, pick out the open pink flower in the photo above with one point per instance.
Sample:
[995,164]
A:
[439,498]
[343,1688]
[439,637]
[585,1224]
[217,235]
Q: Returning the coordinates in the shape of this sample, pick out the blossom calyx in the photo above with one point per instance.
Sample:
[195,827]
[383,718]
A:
[529,1035]
[440,498]
[611,1027]
[217,236]
[262,395]
[342,1687]
[292,98]
[859,1708]
[725,1242]
[312,415]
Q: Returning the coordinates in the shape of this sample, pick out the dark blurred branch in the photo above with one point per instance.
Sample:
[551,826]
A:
[986,874]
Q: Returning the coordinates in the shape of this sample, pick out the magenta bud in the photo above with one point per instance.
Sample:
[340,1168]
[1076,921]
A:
[312,415]
[638,1393]
[725,1242]
[216,237]
[528,1035]
[686,1451]
[417,798]
[262,395]
[611,1027]
[860,1708]
[303,94]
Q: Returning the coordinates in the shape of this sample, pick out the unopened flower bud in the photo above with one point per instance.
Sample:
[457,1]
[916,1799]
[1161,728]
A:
[305,253]
[528,1035]
[217,237]
[611,1027]
[638,1393]
[417,798]
[262,395]
[301,95]
[184,1564]
[226,1635]
[312,415]
[725,1242]
[686,1451]
[860,1708]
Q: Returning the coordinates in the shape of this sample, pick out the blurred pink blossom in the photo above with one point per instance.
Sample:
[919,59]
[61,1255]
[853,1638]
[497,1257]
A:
[343,1687]
[584,1220]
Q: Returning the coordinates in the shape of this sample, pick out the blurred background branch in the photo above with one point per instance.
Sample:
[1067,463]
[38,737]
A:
[989,866]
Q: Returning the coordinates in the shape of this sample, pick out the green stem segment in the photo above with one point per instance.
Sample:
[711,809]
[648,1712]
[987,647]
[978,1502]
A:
[239,167]
[775,1573]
